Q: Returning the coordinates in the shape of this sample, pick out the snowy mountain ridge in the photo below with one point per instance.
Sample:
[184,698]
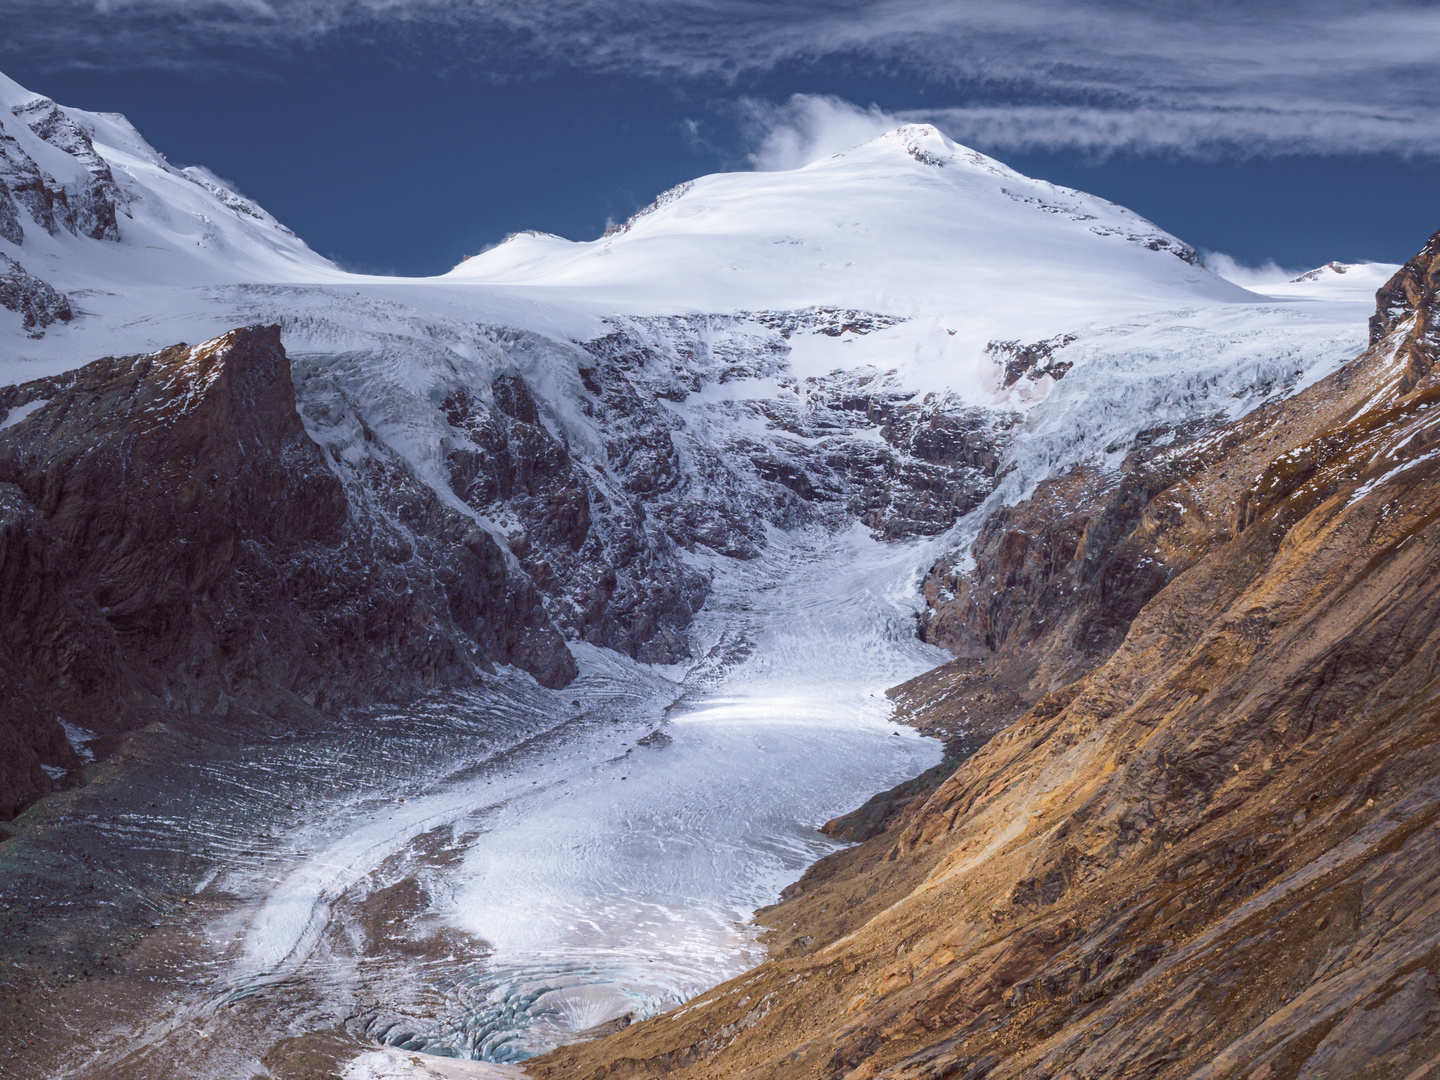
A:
[69,177]
[908,223]
[886,335]
[701,474]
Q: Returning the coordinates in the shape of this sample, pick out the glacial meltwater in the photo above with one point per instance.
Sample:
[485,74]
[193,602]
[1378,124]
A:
[486,875]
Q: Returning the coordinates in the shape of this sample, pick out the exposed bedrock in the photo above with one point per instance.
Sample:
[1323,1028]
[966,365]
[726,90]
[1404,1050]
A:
[87,208]
[610,575]
[1213,852]
[180,541]
[173,544]
[605,510]
[35,301]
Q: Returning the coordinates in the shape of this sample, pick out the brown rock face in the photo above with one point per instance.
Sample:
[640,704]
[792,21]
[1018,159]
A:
[1409,298]
[172,543]
[1216,853]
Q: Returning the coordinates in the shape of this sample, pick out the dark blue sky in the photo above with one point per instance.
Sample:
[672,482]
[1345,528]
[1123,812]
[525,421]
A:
[386,163]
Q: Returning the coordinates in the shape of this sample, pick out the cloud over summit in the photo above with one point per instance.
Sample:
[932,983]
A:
[1214,79]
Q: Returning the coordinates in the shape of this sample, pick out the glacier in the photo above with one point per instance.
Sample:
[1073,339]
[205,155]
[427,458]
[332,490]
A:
[745,383]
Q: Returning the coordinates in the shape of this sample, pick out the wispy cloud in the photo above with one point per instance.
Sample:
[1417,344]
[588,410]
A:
[1249,277]
[1226,77]
[808,127]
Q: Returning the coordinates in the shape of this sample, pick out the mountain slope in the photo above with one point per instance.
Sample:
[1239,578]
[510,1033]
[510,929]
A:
[879,368]
[87,205]
[174,546]
[1213,856]
[907,223]
[560,443]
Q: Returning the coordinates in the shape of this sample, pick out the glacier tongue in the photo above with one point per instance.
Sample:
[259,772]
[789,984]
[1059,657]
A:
[620,883]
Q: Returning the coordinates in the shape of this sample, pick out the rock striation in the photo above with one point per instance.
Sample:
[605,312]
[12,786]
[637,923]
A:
[1208,846]
[173,544]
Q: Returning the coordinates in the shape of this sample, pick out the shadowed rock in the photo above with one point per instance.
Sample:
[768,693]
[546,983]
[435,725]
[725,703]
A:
[172,543]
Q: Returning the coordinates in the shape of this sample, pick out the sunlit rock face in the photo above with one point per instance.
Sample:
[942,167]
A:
[499,640]
[1209,849]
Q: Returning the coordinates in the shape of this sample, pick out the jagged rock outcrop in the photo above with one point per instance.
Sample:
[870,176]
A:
[38,304]
[87,208]
[1213,855]
[1033,361]
[606,530]
[173,543]
[935,460]
[612,576]
[1408,298]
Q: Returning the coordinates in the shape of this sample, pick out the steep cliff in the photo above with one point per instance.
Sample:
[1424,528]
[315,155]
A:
[173,543]
[1214,854]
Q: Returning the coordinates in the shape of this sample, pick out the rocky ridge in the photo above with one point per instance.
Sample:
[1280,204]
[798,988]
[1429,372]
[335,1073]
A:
[36,302]
[219,610]
[80,205]
[1209,848]
[174,544]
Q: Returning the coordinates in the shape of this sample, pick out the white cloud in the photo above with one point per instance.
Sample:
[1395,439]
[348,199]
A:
[807,128]
[1248,277]
[1197,129]
[1231,78]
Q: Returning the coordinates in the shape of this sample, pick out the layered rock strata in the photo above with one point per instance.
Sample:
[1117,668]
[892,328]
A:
[1213,854]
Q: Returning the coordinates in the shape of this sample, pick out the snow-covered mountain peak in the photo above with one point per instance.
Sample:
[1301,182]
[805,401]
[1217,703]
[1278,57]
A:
[912,258]
[928,145]
[909,224]
[87,204]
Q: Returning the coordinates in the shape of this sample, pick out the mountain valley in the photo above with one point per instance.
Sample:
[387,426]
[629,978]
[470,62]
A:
[422,677]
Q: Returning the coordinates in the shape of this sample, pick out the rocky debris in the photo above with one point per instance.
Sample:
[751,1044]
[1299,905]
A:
[10,227]
[1182,251]
[1033,361]
[233,200]
[1068,203]
[321,1055]
[832,322]
[1212,854]
[37,303]
[925,157]
[665,198]
[173,544]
